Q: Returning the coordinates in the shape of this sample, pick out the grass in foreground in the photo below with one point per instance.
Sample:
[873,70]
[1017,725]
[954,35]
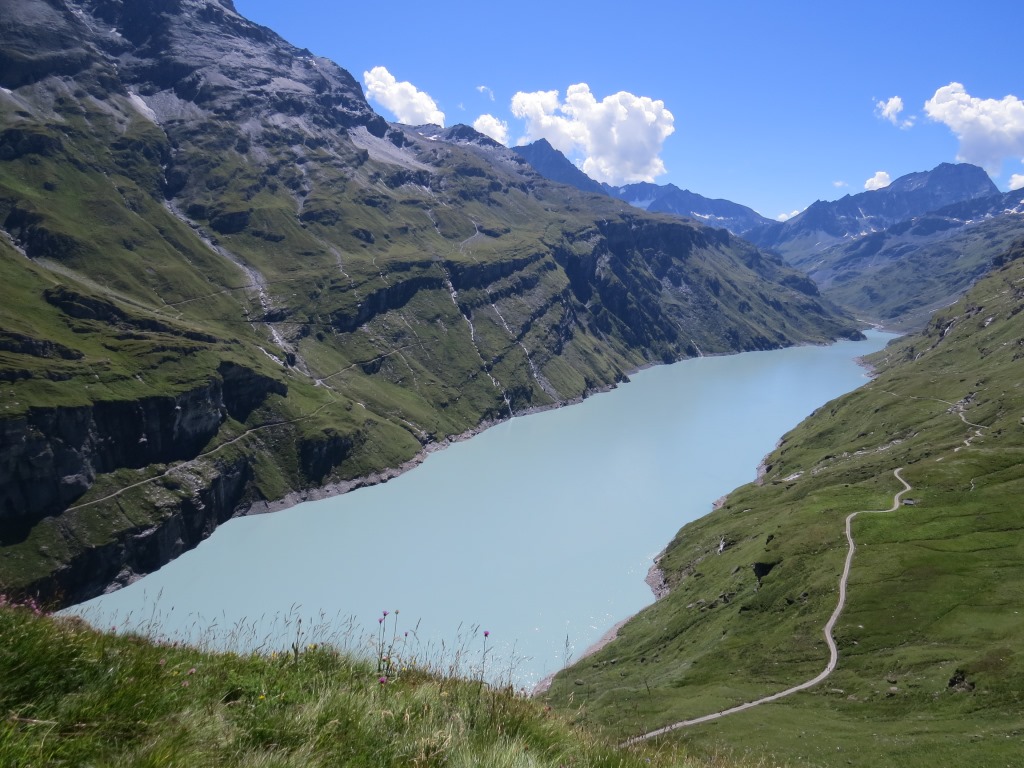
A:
[75,696]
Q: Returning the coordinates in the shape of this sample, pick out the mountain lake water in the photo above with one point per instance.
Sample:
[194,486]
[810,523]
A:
[539,531]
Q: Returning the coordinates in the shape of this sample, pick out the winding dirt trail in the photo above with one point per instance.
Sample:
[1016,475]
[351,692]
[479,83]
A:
[833,650]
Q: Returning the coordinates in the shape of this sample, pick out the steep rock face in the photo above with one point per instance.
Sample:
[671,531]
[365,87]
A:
[661,286]
[321,455]
[389,298]
[138,550]
[39,40]
[243,390]
[205,54]
[50,457]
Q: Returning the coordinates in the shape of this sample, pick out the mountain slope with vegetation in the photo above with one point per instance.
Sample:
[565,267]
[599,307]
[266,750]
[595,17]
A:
[228,282]
[929,669]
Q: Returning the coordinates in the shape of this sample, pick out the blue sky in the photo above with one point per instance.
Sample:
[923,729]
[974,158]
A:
[772,105]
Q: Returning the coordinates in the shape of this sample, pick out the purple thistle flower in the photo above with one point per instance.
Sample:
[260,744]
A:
[487,633]
[383,680]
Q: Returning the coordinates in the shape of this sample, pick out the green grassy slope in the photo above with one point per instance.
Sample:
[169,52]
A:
[73,696]
[930,670]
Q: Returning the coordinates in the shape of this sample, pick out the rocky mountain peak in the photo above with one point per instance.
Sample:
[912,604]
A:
[184,58]
[950,181]
[553,165]
[826,223]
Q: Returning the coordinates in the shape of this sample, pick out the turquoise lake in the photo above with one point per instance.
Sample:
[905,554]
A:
[539,531]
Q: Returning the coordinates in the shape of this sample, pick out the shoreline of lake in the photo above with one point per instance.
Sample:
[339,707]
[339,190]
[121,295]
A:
[330,490]
[447,547]
[655,578]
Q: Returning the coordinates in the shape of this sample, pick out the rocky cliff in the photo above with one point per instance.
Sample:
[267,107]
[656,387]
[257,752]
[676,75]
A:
[51,456]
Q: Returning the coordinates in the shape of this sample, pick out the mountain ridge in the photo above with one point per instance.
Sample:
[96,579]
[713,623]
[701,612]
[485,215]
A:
[655,198]
[553,165]
[898,276]
[668,198]
[825,223]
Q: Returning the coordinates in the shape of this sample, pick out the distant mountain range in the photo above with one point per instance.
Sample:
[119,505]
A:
[656,198]
[898,276]
[669,198]
[826,223]
[891,255]
[553,165]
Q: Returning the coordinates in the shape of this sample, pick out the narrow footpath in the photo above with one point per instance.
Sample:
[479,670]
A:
[833,650]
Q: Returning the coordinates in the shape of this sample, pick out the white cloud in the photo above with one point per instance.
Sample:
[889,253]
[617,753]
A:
[538,110]
[491,126]
[839,184]
[408,104]
[619,138]
[879,181]
[989,131]
[786,216]
[486,91]
[890,110]
[1017,181]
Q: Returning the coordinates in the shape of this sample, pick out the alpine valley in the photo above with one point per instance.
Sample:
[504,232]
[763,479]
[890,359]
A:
[230,285]
[228,280]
